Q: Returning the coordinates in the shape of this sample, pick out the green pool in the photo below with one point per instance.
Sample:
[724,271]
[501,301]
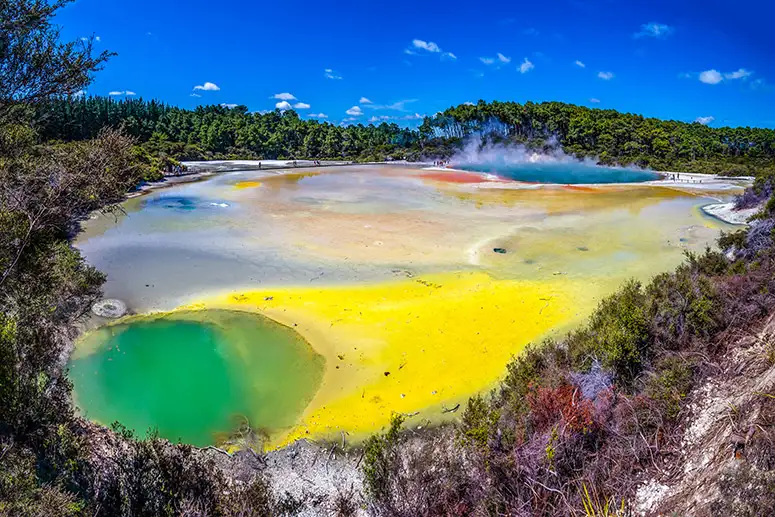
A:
[194,376]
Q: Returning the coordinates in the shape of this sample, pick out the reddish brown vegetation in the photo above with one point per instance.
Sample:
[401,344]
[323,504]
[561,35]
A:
[563,406]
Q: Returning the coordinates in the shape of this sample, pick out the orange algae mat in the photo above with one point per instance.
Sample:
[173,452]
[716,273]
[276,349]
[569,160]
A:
[455,177]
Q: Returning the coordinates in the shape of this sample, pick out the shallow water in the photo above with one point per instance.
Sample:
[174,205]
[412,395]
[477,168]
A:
[380,269]
[194,377]
[568,173]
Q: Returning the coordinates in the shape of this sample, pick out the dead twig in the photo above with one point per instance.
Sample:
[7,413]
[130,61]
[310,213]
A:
[217,449]
[450,410]
[330,454]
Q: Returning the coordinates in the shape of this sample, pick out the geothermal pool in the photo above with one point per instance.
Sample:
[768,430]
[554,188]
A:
[562,172]
[307,303]
[195,376]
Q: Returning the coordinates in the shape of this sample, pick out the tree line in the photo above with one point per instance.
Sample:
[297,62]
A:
[212,132]
[611,137]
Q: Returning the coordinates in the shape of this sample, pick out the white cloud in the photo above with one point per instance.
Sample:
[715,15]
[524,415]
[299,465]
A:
[704,120]
[364,100]
[79,93]
[396,106]
[97,39]
[317,115]
[194,95]
[207,87]
[526,66]
[499,58]
[469,103]
[283,105]
[711,77]
[285,96]
[122,92]
[355,111]
[84,39]
[654,30]
[230,106]
[580,64]
[330,74]
[384,118]
[606,76]
[130,93]
[116,93]
[740,74]
[594,101]
[301,106]
[426,45]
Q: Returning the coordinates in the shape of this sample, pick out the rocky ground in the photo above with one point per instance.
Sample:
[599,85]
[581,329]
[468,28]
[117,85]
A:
[309,479]
[726,448]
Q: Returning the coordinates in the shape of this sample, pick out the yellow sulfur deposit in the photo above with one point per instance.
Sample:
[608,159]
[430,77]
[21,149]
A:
[411,345]
[247,184]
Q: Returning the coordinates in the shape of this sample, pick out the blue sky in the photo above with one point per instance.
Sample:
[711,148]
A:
[367,61]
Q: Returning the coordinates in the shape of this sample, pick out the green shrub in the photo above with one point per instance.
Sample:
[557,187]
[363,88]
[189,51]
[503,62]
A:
[670,383]
[682,305]
[525,369]
[541,364]
[379,459]
[617,335]
[729,240]
[478,421]
[711,263]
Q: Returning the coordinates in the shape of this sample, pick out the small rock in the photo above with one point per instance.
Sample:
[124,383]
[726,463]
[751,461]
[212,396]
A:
[109,308]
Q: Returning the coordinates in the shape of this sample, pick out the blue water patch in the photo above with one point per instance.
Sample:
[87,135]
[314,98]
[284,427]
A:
[566,173]
[182,203]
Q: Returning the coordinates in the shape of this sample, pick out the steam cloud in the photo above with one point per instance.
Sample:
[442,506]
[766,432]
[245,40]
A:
[478,151]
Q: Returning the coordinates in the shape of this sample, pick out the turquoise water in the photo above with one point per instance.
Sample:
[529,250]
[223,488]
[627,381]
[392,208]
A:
[561,172]
[195,376]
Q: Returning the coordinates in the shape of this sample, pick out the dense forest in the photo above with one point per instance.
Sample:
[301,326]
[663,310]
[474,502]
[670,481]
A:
[606,135]
[612,137]
[221,132]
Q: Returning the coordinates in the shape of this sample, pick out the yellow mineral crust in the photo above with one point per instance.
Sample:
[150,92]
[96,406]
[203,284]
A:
[414,345]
